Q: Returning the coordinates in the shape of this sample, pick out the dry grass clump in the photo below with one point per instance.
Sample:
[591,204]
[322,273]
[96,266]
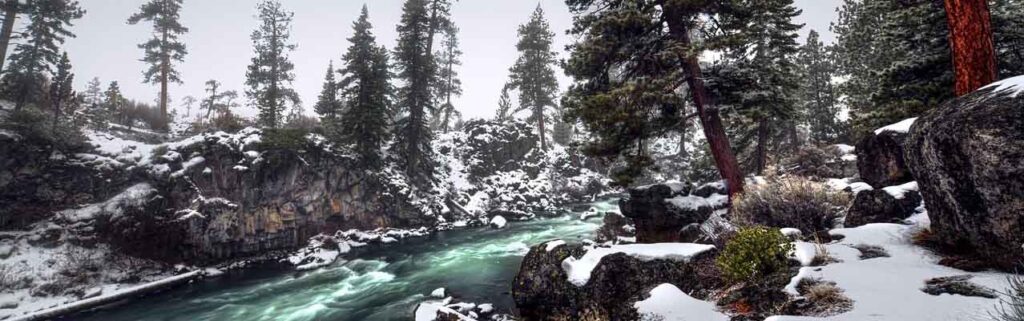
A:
[825,298]
[794,202]
[1011,301]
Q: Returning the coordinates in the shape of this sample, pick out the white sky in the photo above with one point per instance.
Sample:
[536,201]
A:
[219,45]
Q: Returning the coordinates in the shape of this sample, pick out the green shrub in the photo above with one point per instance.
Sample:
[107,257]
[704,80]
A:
[791,202]
[754,253]
[284,139]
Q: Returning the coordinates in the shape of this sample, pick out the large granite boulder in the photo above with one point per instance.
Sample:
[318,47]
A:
[880,159]
[542,290]
[661,212]
[889,205]
[968,157]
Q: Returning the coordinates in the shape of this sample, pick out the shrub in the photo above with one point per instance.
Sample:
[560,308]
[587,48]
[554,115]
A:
[754,253]
[284,139]
[1011,305]
[825,298]
[813,161]
[791,202]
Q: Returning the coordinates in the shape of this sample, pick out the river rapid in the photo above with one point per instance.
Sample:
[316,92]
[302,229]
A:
[373,284]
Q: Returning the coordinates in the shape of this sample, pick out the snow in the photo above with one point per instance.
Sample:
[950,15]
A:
[888,288]
[900,127]
[438,293]
[498,221]
[860,187]
[592,212]
[804,252]
[578,270]
[689,202]
[1012,86]
[845,149]
[900,191]
[133,196]
[791,232]
[552,245]
[669,303]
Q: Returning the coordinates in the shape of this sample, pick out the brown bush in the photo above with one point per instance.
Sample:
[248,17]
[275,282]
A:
[791,202]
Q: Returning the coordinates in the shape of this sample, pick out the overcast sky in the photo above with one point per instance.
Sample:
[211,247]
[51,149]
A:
[219,45]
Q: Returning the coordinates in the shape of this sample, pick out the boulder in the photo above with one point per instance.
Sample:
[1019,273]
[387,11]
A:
[542,290]
[880,159]
[968,157]
[880,206]
[613,226]
[661,211]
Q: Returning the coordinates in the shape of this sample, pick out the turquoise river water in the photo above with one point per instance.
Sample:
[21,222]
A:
[378,284]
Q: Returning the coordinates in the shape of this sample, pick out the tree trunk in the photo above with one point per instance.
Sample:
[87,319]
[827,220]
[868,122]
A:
[970,37]
[710,120]
[761,153]
[541,130]
[10,14]
[164,78]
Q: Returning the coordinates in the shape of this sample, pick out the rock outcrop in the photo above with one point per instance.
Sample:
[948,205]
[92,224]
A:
[542,291]
[881,206]
[662,212]
[880,159]
[968,157]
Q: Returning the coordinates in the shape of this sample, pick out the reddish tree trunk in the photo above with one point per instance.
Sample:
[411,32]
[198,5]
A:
[10,14]
[710,120]
[970,37]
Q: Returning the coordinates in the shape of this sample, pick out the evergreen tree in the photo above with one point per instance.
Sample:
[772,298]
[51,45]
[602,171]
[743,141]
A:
[115,103]
[270,74]
[448,83]
[365,84]
[630,62]
[505,109]
[188,102]
[328,104]
[764,113]
[36,55]
[415,67]
[164,48]
[62,93]
[93,97]
[533,73]
[818,102]
[11,10]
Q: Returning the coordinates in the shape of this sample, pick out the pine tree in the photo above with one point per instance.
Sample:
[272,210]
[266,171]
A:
[11,10]
[415,67]
[765,115]
[970,33]
[62,93]
[629,70]
[93,100]
[164,48]
[818,101]
[115,103]
[365,84]
[270,74]
[533,73]
[448,83]
[188,102]
[505,109]
[36,55]
[328,104]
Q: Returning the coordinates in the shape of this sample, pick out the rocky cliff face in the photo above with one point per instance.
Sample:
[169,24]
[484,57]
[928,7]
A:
[968,157]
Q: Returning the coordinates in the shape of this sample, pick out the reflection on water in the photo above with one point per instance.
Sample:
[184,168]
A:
[380,284]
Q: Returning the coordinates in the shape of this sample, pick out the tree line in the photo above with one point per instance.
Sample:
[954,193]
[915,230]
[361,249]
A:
[639,73]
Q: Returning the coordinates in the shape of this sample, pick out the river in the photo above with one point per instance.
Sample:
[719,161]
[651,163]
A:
[378,284]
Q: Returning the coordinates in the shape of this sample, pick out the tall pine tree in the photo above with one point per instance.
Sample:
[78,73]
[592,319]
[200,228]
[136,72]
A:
[505,109]
[415,67]
[11,10]
[328,104]
[115,103]
[630,69]
[62,92]
[365,83]
[271,72]
[164,48]
[36,56]
[533,73]
[448,83]
[818,101]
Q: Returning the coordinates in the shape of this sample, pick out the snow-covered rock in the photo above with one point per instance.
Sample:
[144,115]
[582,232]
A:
[667,303]
[498,221]
[578,270]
